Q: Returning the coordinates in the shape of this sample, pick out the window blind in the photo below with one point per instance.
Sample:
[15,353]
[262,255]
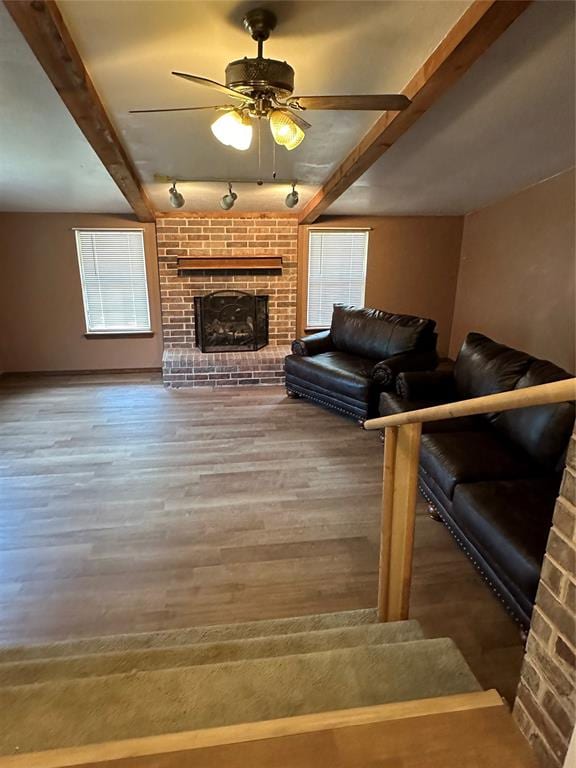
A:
[113,275]
[336,273]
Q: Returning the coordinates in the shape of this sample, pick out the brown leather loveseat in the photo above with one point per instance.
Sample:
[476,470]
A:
[492,479]
[346,367]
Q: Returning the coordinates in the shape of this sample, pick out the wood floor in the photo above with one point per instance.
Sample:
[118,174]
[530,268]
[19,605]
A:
[127,508]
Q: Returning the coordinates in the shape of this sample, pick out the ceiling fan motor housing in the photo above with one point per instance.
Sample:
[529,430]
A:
[259,74]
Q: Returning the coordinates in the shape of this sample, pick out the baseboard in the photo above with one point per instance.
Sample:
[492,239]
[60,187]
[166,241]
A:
[83,372]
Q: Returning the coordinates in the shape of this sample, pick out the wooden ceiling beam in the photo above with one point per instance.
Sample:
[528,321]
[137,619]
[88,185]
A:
[474,32]
[43,28]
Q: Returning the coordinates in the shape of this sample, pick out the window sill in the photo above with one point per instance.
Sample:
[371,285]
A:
[120,335]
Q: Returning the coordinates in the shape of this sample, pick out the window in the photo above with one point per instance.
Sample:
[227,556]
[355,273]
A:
[113,275]
[336,272]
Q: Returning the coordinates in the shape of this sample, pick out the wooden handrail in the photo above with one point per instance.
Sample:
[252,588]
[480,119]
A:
[554,392]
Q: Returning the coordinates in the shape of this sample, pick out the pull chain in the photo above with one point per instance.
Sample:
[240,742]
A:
[260,182]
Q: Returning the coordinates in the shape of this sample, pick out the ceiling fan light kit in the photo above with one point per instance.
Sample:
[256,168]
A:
[234,130]
[264,87]
[284,129]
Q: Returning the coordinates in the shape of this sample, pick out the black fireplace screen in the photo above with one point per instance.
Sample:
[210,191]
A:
[231,320]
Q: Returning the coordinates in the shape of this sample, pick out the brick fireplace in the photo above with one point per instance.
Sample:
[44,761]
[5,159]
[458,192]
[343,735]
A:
[199,254]
[545,707]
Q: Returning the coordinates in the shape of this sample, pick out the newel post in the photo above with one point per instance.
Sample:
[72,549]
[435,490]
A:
[399,493]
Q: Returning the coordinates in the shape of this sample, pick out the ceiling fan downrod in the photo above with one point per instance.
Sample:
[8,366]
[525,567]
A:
[259,22]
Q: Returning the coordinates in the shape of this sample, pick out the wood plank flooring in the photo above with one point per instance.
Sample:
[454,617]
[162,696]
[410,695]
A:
[128,508]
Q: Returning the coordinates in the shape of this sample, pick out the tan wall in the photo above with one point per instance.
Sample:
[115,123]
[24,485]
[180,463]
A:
[41,312]
[517,280]
[412,265]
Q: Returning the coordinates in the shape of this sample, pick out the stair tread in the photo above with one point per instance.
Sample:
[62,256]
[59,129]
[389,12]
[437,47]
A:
[91,710]
[120,662]
[188,635]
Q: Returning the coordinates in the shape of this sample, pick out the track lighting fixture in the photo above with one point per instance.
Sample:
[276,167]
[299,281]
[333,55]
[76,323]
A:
[176,198]
[228,200]
[292,197]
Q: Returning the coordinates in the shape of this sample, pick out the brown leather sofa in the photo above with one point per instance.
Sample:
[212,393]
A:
[346,367]
[492,479]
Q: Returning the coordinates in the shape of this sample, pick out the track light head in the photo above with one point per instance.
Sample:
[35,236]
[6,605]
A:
[176,198]
[292,198]
[228,200]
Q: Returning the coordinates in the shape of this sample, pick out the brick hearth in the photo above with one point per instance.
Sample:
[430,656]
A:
[199,237]
[192,368]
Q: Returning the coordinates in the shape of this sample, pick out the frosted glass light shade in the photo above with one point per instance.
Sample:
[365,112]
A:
[284,129]
[233,129]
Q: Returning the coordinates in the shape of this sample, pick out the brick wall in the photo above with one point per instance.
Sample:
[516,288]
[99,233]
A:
[203,236]
[546,700]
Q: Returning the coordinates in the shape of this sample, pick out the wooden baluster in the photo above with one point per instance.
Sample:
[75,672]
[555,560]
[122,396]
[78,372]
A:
[401,454]
[390,440]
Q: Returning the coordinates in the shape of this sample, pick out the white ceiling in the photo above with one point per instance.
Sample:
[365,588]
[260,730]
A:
[507,124]
[46,164]
[130,49]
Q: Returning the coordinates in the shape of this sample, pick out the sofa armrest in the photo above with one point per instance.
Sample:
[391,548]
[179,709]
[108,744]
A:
[428,386]
[313,344]
[386,372]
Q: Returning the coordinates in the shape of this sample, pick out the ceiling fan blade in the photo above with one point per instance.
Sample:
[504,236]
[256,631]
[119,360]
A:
[298,120]
[211,84]
[179,109]
[377,103]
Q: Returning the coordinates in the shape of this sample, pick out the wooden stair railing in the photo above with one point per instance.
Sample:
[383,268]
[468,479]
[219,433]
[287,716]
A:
[402,433]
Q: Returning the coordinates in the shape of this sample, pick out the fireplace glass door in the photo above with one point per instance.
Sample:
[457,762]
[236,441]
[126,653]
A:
[228,321]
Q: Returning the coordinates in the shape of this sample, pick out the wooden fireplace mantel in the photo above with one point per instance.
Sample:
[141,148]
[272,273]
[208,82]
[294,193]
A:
[253,263]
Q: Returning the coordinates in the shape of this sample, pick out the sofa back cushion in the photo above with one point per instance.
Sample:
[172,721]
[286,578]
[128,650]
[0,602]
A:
[484,367]
[376,334]
[543,431]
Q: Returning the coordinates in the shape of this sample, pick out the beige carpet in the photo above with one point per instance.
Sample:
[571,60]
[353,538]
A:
[121,662]
[90,710]
[202,634]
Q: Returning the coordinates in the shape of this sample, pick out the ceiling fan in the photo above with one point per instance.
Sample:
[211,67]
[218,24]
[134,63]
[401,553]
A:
[262,88]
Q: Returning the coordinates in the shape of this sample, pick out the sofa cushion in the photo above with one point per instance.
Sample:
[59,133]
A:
[484,367]
[543,431]
[509,521]
[467,457]
[334,371]
[375,334]
[391,404]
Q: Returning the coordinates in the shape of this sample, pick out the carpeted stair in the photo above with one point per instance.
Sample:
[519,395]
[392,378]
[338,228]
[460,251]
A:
[129,686]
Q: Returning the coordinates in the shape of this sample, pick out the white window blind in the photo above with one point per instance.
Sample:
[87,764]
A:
[336,272]
[113,274]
